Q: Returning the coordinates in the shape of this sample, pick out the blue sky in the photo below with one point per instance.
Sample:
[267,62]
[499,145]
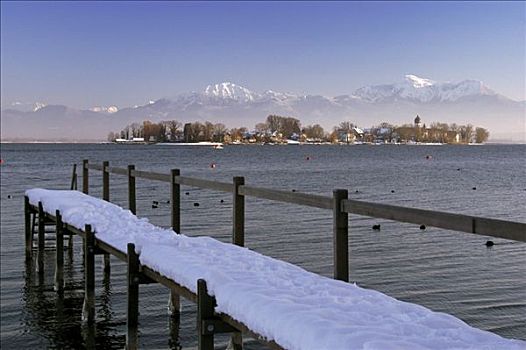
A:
[83,54]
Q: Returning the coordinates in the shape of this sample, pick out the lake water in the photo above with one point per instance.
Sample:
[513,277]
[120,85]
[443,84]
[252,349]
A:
[443,270]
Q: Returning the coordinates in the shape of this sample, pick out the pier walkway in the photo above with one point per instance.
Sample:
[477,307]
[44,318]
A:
[240,291]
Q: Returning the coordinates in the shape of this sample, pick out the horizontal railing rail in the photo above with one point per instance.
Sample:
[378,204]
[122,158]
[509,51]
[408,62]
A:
[310,200]
[456,222]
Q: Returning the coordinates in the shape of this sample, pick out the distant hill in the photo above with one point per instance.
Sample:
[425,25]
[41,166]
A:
[468,101]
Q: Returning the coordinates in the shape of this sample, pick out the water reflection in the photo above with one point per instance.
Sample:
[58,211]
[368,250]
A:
[56,317]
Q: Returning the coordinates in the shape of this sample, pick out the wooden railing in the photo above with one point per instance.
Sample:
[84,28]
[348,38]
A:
[209,322]
[339,204]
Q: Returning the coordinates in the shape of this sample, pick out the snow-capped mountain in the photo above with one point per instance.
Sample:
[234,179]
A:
[468,101]
[104,109]
[230,91]
[423,90]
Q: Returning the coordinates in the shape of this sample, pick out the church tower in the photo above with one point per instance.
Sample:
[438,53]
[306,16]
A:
[418,122]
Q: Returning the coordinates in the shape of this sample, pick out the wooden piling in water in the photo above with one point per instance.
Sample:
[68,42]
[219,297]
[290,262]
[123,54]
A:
[106,180]
[132,197]
[74,178]
[238,238]
[238,213]
[340,236]
[175,200]
[85,177]
[59,260]
[106,197]
[132,319]
[88,309]
[205,311]
[28,228]
[41,238]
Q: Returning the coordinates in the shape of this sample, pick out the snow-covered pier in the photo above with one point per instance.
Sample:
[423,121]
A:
[240,291]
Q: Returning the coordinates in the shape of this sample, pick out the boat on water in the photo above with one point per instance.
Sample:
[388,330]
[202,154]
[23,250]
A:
[218,146]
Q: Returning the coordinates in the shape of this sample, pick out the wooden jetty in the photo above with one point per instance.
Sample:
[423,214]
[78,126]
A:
[209,321]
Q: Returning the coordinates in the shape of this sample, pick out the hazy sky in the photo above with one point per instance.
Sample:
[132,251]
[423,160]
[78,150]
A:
[124,53]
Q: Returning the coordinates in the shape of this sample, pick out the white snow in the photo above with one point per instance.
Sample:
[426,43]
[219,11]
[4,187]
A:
[103,109]
[231,91]
[283,302]
[418,82]
[423,90]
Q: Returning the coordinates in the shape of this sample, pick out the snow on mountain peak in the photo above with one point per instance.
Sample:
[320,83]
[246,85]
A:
[39,105]
[103,109]
[418,82]
[423,90]
[228,90]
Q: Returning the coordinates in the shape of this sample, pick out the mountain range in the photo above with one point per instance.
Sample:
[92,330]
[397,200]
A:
[468,101]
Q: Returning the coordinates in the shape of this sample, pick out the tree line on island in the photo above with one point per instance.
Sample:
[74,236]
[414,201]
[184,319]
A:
[279,129]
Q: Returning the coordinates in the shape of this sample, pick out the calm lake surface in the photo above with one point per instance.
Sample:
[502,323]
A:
[443,270]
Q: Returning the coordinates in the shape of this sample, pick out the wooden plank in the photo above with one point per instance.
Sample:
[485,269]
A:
[238,213]
[245,330]
[132,199]
[205,310]
[111,250]
[88,309]
[85,176]
[118,171]
[310,200]
[94,167]
[340,224]
[202,183]
[167,282]
[151,175]
[59,257]
[471,224]
[132,318]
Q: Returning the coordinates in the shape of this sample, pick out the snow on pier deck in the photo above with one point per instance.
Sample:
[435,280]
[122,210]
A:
[282,302]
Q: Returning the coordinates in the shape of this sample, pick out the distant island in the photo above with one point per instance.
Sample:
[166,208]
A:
[288,130]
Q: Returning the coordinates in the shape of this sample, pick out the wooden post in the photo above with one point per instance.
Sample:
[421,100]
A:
[238,214]
[340,237]
[132,200]
[132,320]
[176,201]
[205,310]
[74,178]
[106,197]
[238,238]
[85,177]
[88,309]
[106,181]
[41,238]
[28,228]
[59,261]
[107,263]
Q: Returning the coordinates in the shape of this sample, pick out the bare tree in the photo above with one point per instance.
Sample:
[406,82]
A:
[481,135]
